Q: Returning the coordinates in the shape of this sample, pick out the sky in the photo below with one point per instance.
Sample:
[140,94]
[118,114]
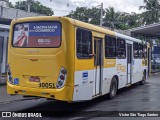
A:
[63,7]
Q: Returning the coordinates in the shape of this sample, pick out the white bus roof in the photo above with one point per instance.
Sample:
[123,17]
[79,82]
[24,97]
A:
[129,38]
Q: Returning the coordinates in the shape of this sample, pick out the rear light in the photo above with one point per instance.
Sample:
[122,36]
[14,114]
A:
[61,78]
[9,75]
[63,71]
[9,72]
[60,83]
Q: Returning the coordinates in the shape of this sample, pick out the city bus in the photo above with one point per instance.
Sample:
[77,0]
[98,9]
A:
[68,60]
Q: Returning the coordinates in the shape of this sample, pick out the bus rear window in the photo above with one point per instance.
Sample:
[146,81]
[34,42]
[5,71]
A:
[37,35]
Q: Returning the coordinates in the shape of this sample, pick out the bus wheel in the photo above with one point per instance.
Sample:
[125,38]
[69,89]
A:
[142,82]
[113,88]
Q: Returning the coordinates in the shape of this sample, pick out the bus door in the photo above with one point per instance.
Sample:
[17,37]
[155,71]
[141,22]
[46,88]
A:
[98,51]
[129,63]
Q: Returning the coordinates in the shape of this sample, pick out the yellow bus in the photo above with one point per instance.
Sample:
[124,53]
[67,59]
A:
[69,60]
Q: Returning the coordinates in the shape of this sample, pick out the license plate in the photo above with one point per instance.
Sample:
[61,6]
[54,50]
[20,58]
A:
[34,79]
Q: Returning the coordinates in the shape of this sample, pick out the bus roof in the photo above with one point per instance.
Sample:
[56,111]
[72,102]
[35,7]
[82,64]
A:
[83,25]
[106,31]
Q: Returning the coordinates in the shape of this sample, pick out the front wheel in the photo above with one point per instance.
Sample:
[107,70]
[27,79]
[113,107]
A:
[113,88]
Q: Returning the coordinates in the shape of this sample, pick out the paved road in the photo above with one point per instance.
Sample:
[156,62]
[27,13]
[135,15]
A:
[135,98]
[4,97]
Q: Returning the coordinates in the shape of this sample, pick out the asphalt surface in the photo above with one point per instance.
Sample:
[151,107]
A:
[134,99]
[5,98]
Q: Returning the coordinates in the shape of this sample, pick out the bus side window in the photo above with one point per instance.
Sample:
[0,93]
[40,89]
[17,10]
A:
[121,48]
[84,43]
[140,51]
[145,51]
[110,47]
[135,49]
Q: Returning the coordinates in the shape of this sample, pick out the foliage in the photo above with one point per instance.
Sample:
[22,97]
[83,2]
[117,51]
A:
[11,5]
[36,7]
[81,14]
[120,20]
[89,15]
[152,13]
[112,19]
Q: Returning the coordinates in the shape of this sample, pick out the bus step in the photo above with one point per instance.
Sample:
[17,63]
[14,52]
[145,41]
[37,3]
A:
[95,96]
[128,85]
[31,97]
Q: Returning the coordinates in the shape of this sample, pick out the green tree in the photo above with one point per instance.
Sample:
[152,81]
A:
[36,7]
[134,20]
[89,15]
[39,8]
[111,19]
[81,14]
[94,16]
[121,20]
[129,20]
[21,5]
[11,5]
[152,13]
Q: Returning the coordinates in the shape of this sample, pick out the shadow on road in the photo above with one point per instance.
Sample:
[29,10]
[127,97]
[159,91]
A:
[53,108]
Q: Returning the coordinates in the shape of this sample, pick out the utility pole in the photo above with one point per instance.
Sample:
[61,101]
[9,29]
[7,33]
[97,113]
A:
[101,17]
[30,2]
[29,7]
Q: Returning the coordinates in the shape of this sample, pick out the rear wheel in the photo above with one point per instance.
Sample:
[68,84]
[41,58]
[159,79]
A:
[113,88]
[143,79]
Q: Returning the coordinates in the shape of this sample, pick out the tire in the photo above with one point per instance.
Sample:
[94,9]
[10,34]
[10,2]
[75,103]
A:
[113,88]
[143,81]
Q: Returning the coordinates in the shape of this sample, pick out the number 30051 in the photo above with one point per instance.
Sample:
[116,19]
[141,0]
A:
[46,85]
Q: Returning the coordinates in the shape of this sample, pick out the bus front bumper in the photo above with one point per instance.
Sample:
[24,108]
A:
[64,94]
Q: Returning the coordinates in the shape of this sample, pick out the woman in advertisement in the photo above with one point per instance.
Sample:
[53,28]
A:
[21,40]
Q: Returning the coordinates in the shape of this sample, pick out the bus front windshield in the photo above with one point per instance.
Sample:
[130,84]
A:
[37,35]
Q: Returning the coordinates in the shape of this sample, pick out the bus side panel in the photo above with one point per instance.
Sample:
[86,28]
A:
[122,72]
[84,77]
[109,71]
[83,80]
[69,53]
[137,70]
[86,86]
[83,89]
